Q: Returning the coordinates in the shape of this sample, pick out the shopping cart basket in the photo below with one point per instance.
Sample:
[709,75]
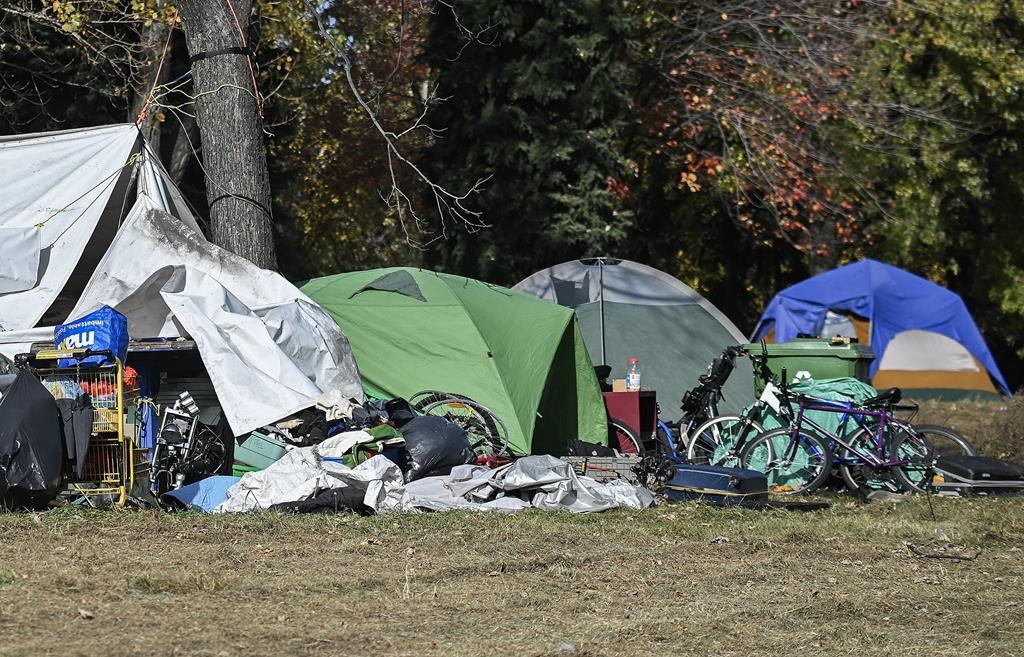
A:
[109,469]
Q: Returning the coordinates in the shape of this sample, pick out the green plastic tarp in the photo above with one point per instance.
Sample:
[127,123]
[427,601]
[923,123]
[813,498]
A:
[843,389]
[525,359]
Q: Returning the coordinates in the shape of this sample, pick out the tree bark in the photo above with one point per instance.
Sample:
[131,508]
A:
[234,156]
[186,139]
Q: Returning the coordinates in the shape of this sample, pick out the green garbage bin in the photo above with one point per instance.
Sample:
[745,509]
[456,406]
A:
[815,358]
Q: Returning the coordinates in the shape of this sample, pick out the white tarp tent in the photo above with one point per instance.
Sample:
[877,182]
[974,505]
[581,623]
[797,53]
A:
[111,228]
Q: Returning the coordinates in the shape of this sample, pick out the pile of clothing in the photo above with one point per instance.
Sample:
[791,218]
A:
[334,414]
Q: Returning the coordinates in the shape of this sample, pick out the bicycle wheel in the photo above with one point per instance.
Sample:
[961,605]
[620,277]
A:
[486,431]
[424,398]
[944,441]
[792,466]
[719,440]
[859,474]
[623,439]
[915,475]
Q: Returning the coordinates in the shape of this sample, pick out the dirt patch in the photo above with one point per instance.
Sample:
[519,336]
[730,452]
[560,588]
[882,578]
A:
[674,580]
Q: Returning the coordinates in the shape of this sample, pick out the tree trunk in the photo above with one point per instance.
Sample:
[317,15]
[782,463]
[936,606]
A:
[181,155]
[234,156]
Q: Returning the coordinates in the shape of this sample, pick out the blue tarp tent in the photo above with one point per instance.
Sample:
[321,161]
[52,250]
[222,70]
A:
[916,327]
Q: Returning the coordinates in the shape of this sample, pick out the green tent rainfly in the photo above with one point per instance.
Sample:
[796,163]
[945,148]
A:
[525,359]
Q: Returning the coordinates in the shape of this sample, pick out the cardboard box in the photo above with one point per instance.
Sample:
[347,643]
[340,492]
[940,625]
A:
[618,385]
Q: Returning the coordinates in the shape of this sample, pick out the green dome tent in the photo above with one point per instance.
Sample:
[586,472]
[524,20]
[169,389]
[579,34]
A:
[413,329]
[627,309]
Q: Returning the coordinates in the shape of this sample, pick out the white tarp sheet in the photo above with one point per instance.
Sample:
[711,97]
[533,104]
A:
[269,349]
[19,263]
[302,473]
[63,181]
[264,364]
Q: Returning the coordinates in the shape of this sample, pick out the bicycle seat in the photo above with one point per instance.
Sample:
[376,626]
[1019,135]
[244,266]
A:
[890,396]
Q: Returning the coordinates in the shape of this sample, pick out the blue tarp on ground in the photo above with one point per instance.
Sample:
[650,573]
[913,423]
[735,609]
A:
[204,494]
[893,301]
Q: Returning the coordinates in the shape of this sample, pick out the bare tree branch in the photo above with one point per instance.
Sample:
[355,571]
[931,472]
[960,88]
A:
[450,208]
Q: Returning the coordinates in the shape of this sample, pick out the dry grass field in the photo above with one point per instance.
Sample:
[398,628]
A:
[686,579]
[683,579]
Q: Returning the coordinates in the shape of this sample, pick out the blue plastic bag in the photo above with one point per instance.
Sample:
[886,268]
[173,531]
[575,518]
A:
[102,330]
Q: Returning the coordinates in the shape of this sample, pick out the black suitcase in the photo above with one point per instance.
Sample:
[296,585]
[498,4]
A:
[716,484]
[979,475]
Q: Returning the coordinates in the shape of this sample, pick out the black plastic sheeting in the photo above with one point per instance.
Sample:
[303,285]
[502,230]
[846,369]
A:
[76,417]
[31,447]
[435,446]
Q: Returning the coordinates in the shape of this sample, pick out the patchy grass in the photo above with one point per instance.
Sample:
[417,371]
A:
[683,579]
[995,428]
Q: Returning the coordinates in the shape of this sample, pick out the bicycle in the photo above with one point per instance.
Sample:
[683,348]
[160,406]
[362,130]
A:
[721,440]
[731,432]
[798,458]
[700,404]
[486,431]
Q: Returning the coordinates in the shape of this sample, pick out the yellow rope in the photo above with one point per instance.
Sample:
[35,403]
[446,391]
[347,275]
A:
[131,161]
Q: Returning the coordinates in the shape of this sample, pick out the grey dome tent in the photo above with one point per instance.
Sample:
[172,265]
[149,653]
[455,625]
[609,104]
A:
[627,309]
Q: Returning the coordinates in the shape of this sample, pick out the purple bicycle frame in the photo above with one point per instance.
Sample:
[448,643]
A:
[876,460]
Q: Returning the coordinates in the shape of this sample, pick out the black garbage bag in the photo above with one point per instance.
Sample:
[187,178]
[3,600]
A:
[333,500]
[313,429]
[399,411]
[435,445]
[579,447]
[31,446]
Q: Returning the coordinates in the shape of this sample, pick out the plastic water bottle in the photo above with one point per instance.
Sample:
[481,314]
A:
[633,375]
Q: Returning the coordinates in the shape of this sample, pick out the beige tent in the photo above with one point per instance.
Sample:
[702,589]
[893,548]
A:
[918,360]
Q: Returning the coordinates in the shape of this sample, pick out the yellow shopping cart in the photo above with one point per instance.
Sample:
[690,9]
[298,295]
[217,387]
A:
[108,472]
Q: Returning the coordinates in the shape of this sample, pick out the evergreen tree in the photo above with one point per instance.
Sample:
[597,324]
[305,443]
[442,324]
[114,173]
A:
[535,102]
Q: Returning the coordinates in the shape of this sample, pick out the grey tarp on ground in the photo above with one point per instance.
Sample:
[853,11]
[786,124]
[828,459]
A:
[542,482]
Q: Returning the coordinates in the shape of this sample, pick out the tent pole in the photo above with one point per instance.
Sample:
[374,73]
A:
[600,306]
